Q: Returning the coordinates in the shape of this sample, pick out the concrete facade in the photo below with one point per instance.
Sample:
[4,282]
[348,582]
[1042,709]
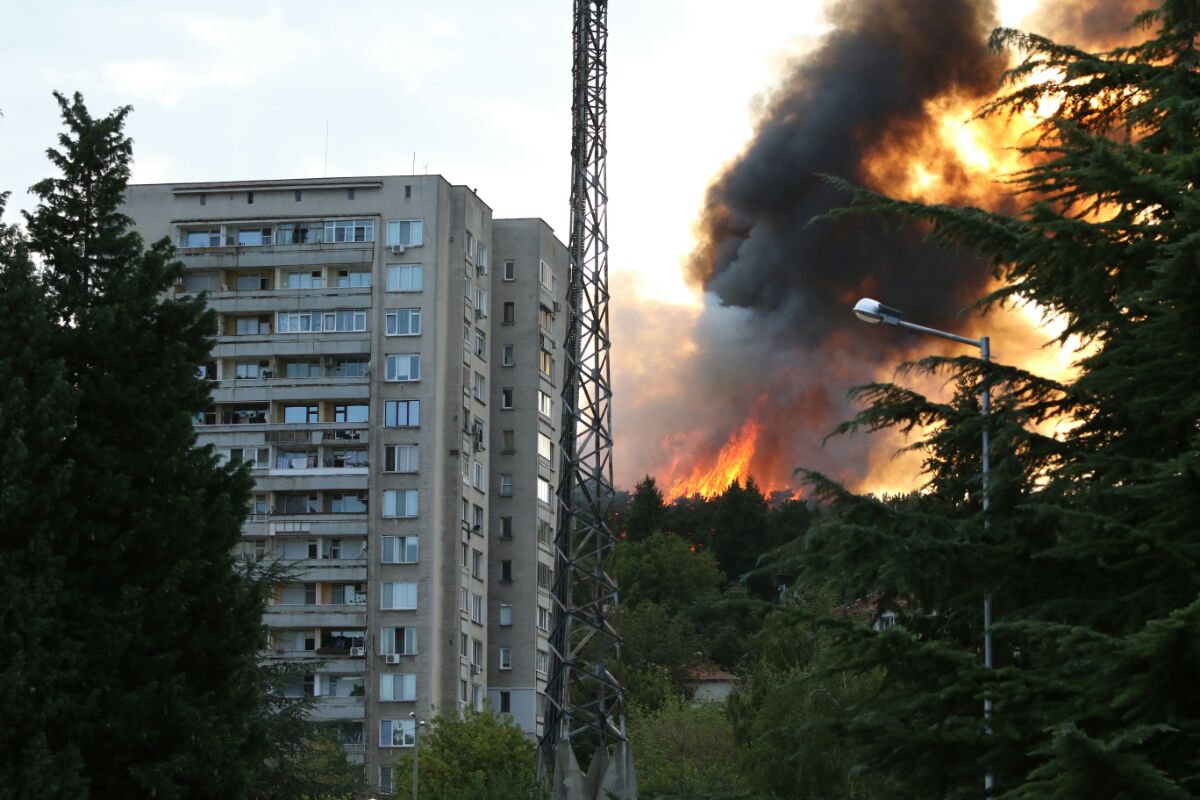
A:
[360,366]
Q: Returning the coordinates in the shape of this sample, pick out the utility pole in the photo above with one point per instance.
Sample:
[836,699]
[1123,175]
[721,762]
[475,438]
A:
[584,750]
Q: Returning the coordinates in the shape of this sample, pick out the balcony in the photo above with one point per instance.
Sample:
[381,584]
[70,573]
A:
[260,345]
[315,254]
[316,615]
[294,432]
[334,708]
[305,525]
[263,301]
[261,390]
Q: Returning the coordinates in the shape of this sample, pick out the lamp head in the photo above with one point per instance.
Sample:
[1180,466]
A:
[873,311]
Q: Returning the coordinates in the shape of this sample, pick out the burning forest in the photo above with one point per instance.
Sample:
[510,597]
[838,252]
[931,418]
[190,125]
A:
[751,385]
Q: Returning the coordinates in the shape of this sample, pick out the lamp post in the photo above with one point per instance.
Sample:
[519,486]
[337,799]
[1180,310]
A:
[874,312]
[417,725]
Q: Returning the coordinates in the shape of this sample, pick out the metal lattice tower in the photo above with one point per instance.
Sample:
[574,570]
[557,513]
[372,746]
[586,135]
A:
[584,748]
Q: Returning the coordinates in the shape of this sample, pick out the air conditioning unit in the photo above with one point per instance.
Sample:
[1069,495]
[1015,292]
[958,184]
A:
[479,313]
[392,658]
[358,652]
[476,669]
[266,373]
[180,280]
[398,249]
[557,306]
[481,269]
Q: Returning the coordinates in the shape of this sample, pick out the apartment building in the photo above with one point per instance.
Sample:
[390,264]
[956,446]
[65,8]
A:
[356,369]
[530,293]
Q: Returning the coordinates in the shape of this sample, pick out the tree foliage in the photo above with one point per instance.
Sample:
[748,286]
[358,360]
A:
[480,756]
[132,670]
[1089,547]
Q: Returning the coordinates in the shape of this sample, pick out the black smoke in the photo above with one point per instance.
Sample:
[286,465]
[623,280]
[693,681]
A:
[867,87]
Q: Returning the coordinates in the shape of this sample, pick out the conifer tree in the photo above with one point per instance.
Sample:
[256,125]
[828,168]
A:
[155,632]
[1091,549]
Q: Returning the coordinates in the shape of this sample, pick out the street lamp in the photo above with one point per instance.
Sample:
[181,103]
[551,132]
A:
[874,312]
[417,725]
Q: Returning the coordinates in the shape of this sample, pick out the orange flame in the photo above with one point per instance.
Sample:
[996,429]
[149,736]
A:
[732,463]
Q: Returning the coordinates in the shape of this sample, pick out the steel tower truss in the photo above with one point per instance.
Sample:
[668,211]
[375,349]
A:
[585,710]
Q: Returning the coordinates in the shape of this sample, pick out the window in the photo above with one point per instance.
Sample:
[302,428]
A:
[543,490]
[249,197]
[348,503]
[401,688]
[545,319]
[463,641]
[481,302]
[505,660]
[353,279]
[546,363]
[305,280]
[399,596]
[543,619]
[477,564]
[506,357]
[350,193]
[506,571]
[545,532]
[402,413]
[400,503]
[480,481]
[259,457]
[505,614]
[299,415]
[481,344]
[464,605]
[477,652]
[480,388]
[506,397]
[506,527]
[403,322]
[478,527]
[253,237]
[386,782]
[545,447]
[404,277]
[318,321]
[251,326]
[299,195]
[544,578]
[203,199]
[403,368]
[398,641]
[509,313]
[545,404]
[462,691]
[510,270]
[477,608]
[469,244]
[543,661]
[508,441]
[544,273]
[251,282]
[481,260]
[354,413]
[349,230]
[349,367]
[397,732]
[201,282]
[505,702]
[251,369]
[210,237]
[347,459]
[404,231]
[506,484]
[400,549]
[400,458]
[302,369]
[244,415]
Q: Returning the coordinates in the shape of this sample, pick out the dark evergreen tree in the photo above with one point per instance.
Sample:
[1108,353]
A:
[1091,549]
[158,629]
[645,514]
[40,669]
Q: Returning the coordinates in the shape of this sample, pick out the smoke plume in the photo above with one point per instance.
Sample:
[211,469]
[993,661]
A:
[753,384]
